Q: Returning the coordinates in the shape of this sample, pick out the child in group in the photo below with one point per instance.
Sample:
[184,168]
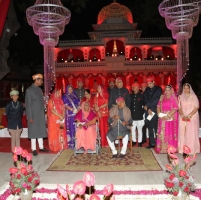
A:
[14,112]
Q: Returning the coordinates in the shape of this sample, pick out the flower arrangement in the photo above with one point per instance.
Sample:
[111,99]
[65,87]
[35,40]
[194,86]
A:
[23,176]
[79,189]
[179,179]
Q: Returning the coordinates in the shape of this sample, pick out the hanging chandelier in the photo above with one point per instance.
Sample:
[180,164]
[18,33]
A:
[180,17]
[48,19]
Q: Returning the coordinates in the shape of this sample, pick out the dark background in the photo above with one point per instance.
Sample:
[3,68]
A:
[27,52]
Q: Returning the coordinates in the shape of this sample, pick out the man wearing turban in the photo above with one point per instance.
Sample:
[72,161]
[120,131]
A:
[14,112]
[119,120]
[151,97]
[35,112]
[111,83]
[137,112]
[80,89]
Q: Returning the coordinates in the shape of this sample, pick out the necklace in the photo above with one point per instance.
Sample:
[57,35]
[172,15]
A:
[15,107]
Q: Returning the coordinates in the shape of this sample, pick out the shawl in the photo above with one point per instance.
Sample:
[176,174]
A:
[115,111]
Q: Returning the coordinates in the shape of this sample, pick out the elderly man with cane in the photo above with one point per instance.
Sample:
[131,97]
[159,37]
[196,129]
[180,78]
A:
[119,120]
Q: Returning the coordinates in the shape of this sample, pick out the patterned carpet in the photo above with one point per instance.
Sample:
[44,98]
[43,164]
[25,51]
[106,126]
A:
[142,159]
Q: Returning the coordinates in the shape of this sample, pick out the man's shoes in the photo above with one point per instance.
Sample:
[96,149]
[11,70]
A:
[121,156]
[140,144]
[150,146]
[133,143]
[44,150]
[34,153]
[115,156]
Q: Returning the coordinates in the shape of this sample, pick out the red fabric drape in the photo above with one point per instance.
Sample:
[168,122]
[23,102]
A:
[135,51]
[4,6]
[94,53]
[110,45]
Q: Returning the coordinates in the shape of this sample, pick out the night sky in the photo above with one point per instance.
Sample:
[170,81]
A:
[26,50]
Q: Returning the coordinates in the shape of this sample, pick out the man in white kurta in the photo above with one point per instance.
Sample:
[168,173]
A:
[35,112]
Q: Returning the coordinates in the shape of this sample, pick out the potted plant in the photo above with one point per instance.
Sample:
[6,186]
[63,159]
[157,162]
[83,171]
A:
[178,178]
[24,179]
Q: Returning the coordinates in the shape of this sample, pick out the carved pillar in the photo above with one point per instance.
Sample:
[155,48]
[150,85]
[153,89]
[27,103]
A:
[127,52]
[86,54]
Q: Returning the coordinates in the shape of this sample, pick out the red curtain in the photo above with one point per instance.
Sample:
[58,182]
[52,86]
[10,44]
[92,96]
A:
[4,6]
[110,45]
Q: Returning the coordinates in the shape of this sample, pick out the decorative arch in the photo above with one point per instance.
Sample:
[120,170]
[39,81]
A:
[135,51]
[69,54]
[94,53]
[166,52]
[110,45]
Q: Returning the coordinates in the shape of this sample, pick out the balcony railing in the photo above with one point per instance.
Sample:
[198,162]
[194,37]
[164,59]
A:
[126,63]
[130,41]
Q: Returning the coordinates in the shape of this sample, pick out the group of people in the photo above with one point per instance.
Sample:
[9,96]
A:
[170,119]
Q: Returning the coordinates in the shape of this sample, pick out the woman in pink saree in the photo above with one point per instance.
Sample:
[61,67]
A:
[168,121]
[86,129]
[188,120]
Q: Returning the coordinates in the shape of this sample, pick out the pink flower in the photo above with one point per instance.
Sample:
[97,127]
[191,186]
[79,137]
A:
[22,165]
[173,156]
[169,167]
[175,193]
[24,153]
[78,198]
[29,167]
[23,170]
[24,185]
[29,157]
[13,170]
[68,190]
[61,191]
[171,149]
[186,149]
[108,189]
[186,189]
[89,179]
[180,184]
[15,158]
[79,187]
[182,173]
[175,161]
[18,150]
[171,177]
[94,197]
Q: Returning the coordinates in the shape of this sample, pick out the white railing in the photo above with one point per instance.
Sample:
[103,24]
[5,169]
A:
[151,62]
[80,64]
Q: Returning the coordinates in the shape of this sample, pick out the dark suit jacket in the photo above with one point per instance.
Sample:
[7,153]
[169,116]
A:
[116,93]
[137,110]
[14,116]
[151,97]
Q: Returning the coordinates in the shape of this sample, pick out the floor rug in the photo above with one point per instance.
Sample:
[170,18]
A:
[142,159]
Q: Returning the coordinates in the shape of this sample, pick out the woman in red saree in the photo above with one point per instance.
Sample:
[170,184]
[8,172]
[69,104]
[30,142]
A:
[56,129]
[86,129]
[101,108]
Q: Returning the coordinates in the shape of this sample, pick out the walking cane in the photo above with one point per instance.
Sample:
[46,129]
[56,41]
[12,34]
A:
[118,133]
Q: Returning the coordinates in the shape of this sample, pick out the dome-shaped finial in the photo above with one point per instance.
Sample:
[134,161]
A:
[114,10]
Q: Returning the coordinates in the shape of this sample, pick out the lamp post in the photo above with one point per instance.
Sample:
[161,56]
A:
[48,18]
[180,17]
